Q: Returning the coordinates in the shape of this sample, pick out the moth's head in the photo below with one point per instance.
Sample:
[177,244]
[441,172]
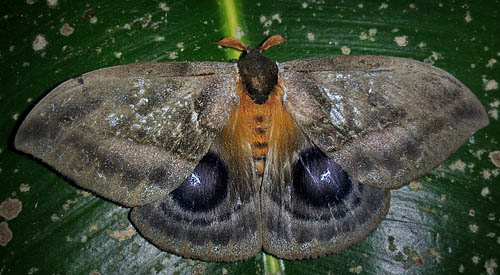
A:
[258,73]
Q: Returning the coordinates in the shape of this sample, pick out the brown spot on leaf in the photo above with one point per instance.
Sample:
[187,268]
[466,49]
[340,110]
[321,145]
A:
[415,185]
[121,235]
[5,234]
[401,41]
[10,208]
[39,43]
[458,165]
[495,158]
[66,30]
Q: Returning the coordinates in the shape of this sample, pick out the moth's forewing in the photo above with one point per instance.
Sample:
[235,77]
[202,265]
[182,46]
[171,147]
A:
[384,120]
[131,133]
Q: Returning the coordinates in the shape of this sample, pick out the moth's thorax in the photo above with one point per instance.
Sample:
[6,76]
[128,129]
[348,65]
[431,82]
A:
[258,131]
[259,75]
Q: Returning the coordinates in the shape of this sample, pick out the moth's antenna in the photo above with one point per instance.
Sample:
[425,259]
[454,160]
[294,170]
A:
[232,43]
[272,41]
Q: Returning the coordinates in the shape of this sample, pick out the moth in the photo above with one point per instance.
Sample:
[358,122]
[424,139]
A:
[219,161]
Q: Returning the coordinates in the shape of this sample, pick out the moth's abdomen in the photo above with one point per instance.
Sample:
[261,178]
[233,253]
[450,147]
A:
[258,123]
[256,129]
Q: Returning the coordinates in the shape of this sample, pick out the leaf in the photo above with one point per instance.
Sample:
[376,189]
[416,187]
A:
[445,222]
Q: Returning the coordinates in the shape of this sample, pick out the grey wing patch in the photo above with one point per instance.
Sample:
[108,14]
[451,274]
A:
[214,215]
[385,120]
[131,133]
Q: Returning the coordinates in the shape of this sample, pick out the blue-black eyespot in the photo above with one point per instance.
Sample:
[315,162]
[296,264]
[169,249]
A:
[206,187]
[318,180]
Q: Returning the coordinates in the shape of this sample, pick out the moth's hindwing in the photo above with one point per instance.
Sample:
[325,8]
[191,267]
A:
[131,133]
[215,213]
[317,209]
[310,205]
[384,120]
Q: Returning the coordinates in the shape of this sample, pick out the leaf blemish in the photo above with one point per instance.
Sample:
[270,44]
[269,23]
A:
[458,165]
[485,192]
[24,188]
[383,6]
[40,43]
[489,84]
[54,217]
[10,208]
[495,158]
[490,266]
[472,212]
[5,234]
[310,36]
[415,185]
[345,50]
[163,6]
[121,235]
[66,30]
[401,41]
[357,269]
[52,3]
[473,228]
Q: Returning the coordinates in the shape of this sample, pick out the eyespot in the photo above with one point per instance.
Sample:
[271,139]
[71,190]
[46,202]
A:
[318,180]
[205,188]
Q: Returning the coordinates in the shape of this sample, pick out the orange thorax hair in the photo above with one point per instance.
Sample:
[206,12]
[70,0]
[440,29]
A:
[262,132]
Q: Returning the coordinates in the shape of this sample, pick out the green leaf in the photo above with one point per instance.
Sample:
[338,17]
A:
[446,222]
[231,25]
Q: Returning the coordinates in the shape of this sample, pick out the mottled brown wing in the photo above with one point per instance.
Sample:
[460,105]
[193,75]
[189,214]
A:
[131,133]
[384,120]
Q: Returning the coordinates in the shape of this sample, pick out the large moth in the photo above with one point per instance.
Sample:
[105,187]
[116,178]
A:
[222,160]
